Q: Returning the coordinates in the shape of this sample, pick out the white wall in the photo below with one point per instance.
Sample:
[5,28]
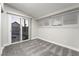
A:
[0,32]
[65,36]
[34,29]
[4,29]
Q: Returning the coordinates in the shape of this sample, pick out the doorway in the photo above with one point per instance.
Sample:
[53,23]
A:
[18,28]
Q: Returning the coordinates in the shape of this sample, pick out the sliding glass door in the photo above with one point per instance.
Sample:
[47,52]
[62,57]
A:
[19,28]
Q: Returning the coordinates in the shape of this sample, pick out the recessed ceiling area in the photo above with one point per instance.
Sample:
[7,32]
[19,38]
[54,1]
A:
[37,10]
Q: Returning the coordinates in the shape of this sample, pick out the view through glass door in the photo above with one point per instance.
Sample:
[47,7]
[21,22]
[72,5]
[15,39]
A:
[25,27]
[15,29]
[19,28]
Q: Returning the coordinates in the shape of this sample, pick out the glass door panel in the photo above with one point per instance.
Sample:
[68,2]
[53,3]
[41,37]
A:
[15,28]
[25,27]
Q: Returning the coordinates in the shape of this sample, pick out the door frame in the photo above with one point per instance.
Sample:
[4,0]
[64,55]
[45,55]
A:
[9,30]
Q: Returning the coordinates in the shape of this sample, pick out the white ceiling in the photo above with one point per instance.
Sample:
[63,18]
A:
[38,10]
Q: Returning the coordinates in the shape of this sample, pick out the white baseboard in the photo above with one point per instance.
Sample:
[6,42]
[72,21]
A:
[60,44]
[1,50]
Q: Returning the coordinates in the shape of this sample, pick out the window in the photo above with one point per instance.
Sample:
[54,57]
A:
[70,18]
[57,21]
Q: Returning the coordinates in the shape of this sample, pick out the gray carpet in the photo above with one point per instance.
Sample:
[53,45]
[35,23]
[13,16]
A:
[37,47]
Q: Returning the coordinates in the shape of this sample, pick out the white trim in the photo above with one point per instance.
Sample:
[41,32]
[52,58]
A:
[1,50]
[9,29]
[60,44]
[57,12]
[30,28]
[20,29]
[18,15]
